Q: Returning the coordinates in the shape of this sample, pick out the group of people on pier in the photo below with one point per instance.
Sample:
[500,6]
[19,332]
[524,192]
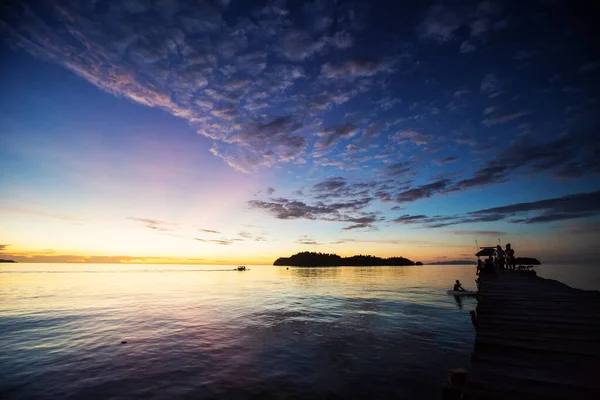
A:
[500,260]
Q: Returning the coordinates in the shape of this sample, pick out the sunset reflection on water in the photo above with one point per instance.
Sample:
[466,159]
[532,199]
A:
[209,331]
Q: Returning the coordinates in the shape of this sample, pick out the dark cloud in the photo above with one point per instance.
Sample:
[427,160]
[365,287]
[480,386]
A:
[445,160]
[270,191]
[483,177]
[569,207]
[349,211]
[560,208]
[399,169]
[334,134]
[4,246]
[423,191]
[409,219]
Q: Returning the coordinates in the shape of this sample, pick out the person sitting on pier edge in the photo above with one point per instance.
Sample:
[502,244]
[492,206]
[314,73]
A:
[510,257]
[458,287]
[499,257]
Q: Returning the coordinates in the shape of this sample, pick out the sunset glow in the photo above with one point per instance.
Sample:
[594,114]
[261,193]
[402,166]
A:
[230,134]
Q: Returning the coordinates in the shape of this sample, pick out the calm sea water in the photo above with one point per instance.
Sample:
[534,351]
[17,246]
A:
[211,332]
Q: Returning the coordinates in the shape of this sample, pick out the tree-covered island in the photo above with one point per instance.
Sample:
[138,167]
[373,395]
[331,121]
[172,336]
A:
[311,259]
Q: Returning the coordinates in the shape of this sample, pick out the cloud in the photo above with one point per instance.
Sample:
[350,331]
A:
[4,246]
[349,211]
[466,47]
[334,134]
[307,241]
[399,169]
[484,176]
[445,160]
[501,119]
[575,206]
[491,86]
[298,45]
[190,61]
[210,231]
[590,66]
[481,233]
[555,209]
[461,93]
[413,136]
[155,224]
[409,219]
[354,68]
[423,191]
[270,191]
[442,23]
[223,242]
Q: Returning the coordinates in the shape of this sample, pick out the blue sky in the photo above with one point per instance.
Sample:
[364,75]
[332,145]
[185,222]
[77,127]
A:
[226,131]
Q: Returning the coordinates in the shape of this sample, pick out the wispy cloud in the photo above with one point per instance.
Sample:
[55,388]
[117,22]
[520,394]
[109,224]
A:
[501,119]
[569,207]
[212,71]
[307,241]
[155,224]
[209,231]
[480,233]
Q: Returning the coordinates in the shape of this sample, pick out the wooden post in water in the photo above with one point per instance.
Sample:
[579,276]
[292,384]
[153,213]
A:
[457,378]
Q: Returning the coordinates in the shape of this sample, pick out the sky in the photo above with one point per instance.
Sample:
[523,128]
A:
[233,131]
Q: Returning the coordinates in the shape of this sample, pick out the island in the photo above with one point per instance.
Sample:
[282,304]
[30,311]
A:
[312,259]
[7,261]
[527,261]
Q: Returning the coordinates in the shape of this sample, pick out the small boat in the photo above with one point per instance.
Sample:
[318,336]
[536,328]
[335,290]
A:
[241,268]
[462,292]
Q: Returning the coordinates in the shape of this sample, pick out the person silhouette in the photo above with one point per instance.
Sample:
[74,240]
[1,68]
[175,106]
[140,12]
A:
[499,257]
[510,257]
[458,287]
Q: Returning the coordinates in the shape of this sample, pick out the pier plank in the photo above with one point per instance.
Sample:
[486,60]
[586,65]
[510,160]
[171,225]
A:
[537,338]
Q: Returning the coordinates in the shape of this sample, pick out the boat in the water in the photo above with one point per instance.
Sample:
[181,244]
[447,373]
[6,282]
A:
[241,268]
[462,292]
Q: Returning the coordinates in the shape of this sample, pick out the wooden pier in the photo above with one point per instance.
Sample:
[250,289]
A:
[536,339]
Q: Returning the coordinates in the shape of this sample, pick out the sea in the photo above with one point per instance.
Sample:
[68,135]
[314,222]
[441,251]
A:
[93,331]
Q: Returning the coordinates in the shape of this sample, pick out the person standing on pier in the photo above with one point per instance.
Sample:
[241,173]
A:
[510,257]
[499,258]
